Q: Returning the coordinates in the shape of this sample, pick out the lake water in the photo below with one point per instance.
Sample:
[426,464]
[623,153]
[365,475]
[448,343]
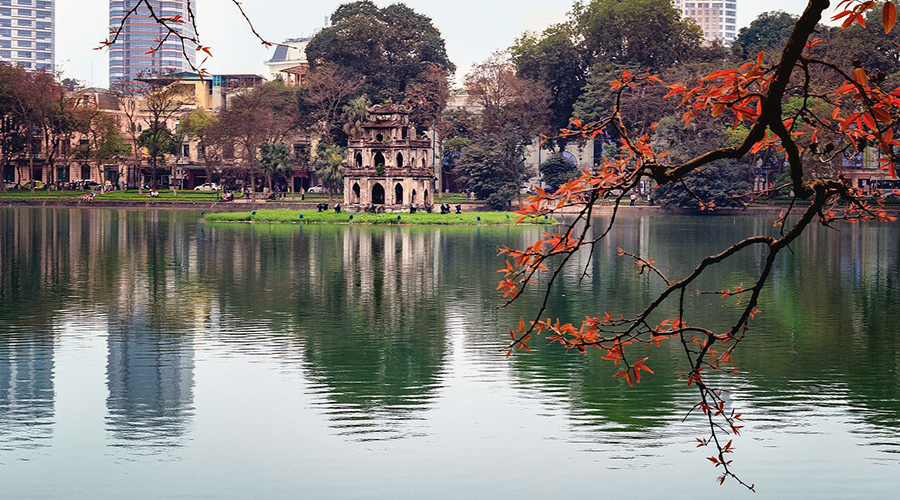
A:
[146,355]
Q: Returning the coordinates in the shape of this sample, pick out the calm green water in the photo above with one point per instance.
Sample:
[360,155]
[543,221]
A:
[145,355]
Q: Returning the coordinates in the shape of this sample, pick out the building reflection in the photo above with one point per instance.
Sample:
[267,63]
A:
[151,315]
[150,378]
[30,272]
[26,392]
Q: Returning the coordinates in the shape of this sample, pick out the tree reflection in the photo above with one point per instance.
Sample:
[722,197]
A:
[368,316]
[380,359]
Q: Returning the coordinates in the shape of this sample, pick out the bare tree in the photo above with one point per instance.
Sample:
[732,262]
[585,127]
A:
[161,106]
[259,115]
[328,90]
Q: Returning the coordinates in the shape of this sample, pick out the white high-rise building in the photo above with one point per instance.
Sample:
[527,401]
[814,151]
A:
[717,18]
[26,33]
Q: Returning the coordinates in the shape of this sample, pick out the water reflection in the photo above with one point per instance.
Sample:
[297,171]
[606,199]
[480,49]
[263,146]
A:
[26,393]
[328,338]
[379,362]
[32,277]
[150,378]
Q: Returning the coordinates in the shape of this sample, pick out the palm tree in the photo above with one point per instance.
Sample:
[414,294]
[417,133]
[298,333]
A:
[275,160]
[329,166]
[356,112]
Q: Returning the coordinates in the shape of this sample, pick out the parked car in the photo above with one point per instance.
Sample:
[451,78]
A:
[10,185]
[86,184]
[316,190]
[209,186]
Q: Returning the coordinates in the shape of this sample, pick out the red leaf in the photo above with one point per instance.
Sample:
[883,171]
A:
[889,16]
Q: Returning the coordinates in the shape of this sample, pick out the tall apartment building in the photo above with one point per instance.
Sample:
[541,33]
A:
[718,19]
[128,57]
[26,33]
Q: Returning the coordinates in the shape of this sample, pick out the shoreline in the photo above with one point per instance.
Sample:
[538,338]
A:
[314,217]
[468,208]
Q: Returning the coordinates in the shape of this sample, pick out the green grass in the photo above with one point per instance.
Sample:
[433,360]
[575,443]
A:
[42,194]
[454,199]
[451,198]
[314,217]
[132,195]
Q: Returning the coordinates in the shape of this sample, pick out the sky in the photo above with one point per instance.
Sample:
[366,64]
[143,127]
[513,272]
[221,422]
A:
[473,29]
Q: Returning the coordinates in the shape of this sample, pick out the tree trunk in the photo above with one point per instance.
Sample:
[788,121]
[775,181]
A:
[252,186]
[5,161]
[19,170]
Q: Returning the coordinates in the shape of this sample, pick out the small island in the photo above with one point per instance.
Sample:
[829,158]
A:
[332,217]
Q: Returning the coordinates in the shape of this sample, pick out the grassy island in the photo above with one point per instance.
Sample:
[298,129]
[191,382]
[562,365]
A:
[314,217]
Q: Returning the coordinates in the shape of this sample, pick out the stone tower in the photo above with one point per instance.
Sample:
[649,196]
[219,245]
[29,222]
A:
[388,165]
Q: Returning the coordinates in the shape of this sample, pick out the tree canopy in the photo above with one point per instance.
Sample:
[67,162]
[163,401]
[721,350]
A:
[603,34]
[768,32]
[389,47]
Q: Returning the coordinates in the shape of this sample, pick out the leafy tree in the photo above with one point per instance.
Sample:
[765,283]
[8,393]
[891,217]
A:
[356,112]
[603,36]
[274,161]
[721,186]
[389,47]
[556,60]
[158,142]
[557,170]
[487,170]
[453,149]
[647,33]
[201,125]
[329,165]
[868,47]
[71,84]
[768,32]
[100,130]
[459,122]
[196,124]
